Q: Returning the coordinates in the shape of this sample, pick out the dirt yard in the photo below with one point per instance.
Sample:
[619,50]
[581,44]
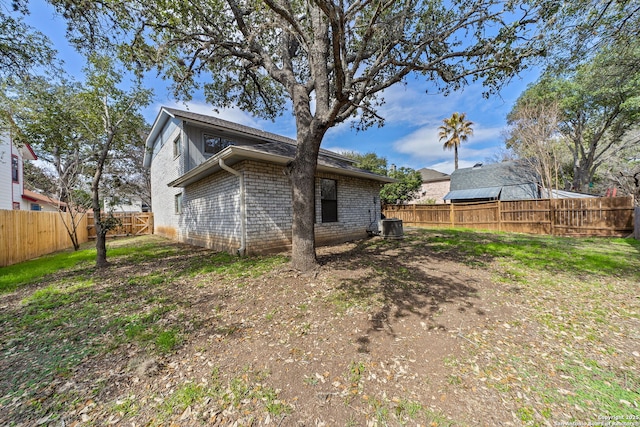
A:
[412,332]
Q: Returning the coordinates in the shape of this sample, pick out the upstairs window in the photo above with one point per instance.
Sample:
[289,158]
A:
[15,169]
[329,200]
[177,146]
[215,144]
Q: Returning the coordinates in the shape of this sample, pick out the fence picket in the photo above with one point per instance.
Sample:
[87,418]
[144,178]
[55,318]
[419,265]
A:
[568,217]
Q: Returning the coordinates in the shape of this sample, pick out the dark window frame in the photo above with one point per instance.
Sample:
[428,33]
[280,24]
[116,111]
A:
[329,200]
[15,169]
[220,144]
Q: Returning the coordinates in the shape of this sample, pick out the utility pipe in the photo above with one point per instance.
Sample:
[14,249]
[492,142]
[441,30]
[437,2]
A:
[243,211]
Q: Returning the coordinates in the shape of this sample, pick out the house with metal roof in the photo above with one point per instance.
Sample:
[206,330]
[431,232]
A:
[221,185]
[497,181]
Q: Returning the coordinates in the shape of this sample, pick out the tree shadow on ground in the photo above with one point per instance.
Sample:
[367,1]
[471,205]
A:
[404,279]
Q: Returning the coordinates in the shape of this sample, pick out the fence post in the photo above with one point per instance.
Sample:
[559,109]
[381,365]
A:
[552,215]
[636,223]
[452,215]
[499,217]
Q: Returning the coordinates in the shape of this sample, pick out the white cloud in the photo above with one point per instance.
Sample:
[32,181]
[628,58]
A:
[424,147]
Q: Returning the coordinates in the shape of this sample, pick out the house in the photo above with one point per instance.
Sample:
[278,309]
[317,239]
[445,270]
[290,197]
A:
[40,202]
[435,185]
[123,204]
[221,185]
[498,181]
[12,157]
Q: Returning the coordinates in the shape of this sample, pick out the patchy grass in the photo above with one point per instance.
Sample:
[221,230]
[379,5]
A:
[444,328]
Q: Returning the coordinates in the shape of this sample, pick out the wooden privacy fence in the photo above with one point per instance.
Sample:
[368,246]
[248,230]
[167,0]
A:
[131,224]
[564,217]
[29,234]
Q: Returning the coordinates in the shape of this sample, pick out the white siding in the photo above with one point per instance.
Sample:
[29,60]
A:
[5,173]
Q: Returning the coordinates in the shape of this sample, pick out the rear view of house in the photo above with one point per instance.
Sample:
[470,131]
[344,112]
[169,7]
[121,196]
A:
[221,185]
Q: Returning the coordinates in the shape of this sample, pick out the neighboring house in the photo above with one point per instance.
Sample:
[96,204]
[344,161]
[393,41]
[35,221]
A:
[496,181]
[123,204]
[40,202]
[435,185]
[221,185]
[12,159]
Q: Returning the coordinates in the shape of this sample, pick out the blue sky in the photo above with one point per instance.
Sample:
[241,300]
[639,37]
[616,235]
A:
[409,137]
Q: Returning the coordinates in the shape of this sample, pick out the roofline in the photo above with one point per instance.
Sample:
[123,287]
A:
[211,166]
[173,113]
[35,157]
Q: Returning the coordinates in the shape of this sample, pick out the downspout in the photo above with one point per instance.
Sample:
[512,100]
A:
[243,211]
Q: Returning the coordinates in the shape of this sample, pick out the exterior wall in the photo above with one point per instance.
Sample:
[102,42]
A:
[165,168]
[358,208]
[211,210]
[432,190]
[193,144]
[211,213]
[269,211]
[5,173]
[134,206]
[10,192]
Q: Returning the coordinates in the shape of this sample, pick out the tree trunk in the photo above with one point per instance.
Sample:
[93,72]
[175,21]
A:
[303,247]
[455,156]
[101,229]
[101,240]
[302,172]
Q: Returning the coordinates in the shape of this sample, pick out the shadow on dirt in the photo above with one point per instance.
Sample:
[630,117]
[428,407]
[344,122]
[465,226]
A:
[405,278]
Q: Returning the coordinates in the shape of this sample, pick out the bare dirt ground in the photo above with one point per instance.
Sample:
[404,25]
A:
[384,333]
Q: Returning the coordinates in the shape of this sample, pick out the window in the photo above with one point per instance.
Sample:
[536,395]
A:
[15,169]
[177,146]
[178,203]
[215,144]
[329,200]
[36,207]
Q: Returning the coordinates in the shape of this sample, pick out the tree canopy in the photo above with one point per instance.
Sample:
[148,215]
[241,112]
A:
[405,190]
[22,48]
[599,104]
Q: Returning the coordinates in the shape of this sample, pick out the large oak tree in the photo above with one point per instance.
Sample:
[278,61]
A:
[328,60]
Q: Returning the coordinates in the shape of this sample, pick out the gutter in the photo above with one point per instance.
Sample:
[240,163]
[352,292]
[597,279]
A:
[243,212]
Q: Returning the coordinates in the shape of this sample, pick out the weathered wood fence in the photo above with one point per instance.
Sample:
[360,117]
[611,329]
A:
[29,234]
[131,224]
[564,217]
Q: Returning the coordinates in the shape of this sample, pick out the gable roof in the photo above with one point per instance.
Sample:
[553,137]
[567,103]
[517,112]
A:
[37,197]
[493,175]
[211,122]
[432,175]
[273,148]
[273,152]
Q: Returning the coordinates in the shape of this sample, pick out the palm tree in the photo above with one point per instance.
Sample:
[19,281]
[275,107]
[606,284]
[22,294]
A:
[455,130]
